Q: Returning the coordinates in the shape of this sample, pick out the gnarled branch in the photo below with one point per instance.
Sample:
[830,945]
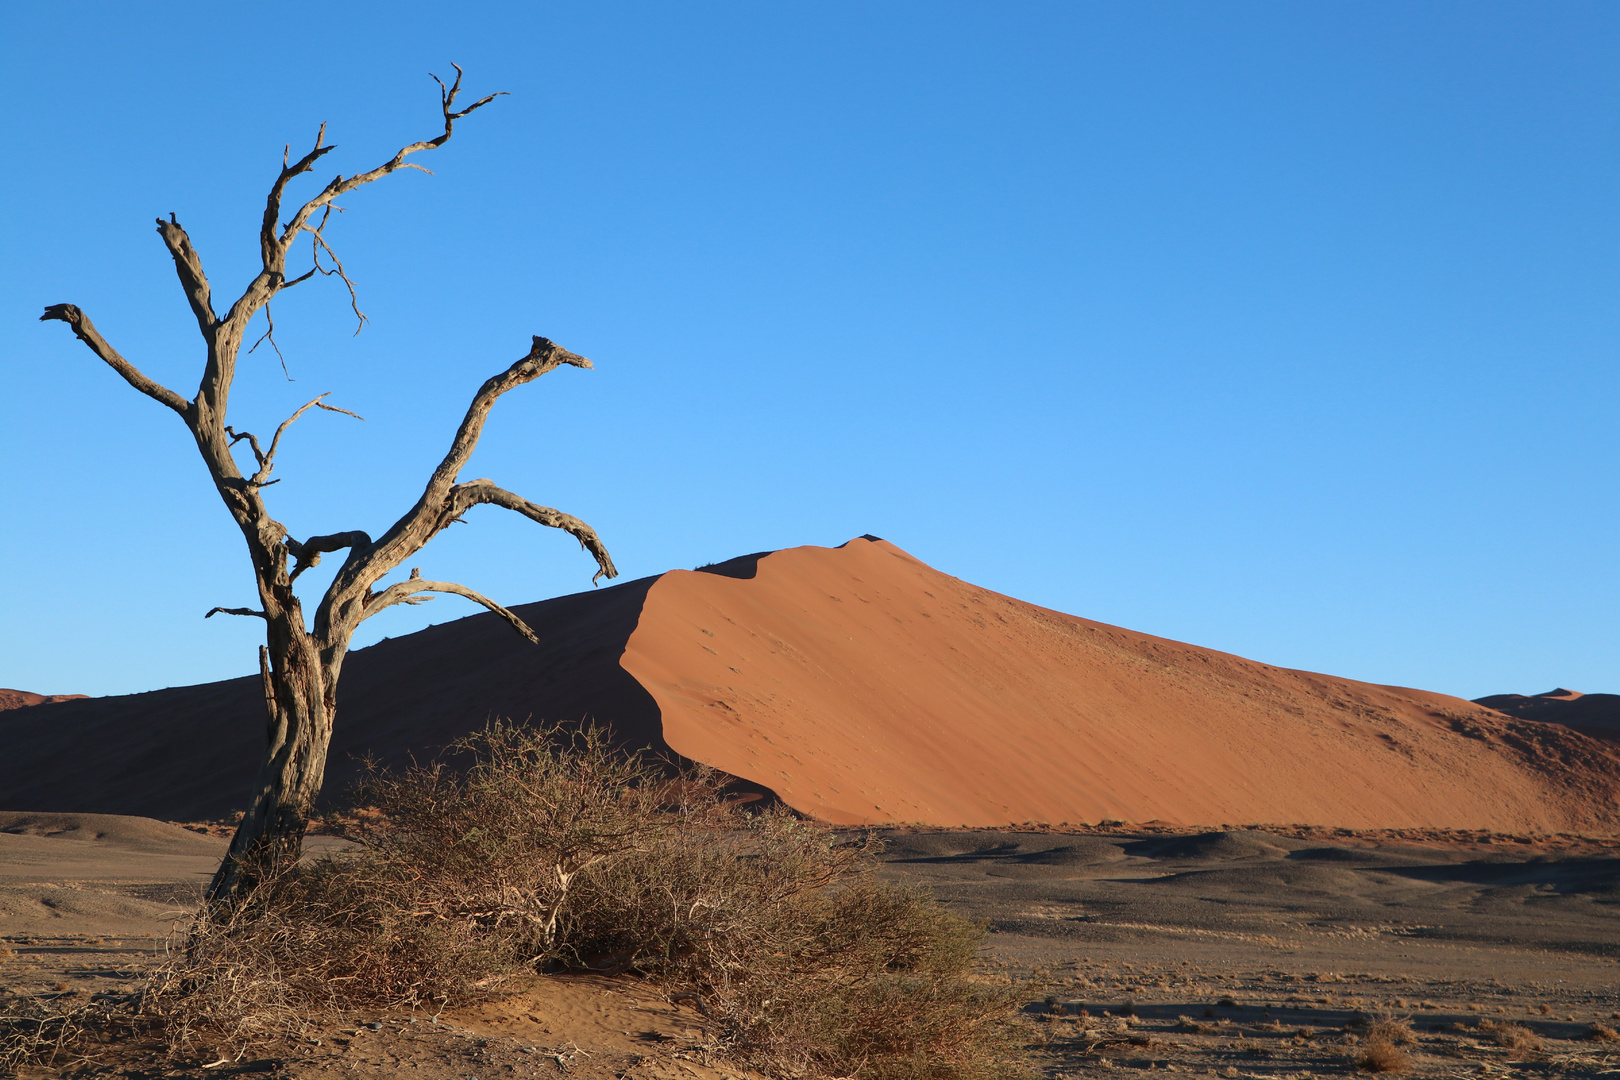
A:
[544,355]
[267,460]
[271,247]
[86,332]
[409,592]
[237,436]
[188,265]
[465,496]
[234,611]
[309,552]
[439,507]
[339,186]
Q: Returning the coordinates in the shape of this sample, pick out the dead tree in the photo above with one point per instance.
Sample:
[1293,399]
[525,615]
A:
[300,661]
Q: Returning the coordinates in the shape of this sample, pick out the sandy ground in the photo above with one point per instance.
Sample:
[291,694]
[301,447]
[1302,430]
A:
[1252,953]
[1232,953]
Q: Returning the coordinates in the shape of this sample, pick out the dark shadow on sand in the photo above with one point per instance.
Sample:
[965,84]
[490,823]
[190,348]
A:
[743,567]
[190,752]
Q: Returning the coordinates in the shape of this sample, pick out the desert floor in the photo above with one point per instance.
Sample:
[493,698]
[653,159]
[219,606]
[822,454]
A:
[1228,953]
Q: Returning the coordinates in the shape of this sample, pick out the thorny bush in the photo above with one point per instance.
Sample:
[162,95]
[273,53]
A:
[540,849]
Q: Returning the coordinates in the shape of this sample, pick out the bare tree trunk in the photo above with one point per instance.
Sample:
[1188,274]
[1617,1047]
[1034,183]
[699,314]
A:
[300,708]
[300,663]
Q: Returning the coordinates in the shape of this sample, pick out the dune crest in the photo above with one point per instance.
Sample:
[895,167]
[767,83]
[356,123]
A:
[862,685]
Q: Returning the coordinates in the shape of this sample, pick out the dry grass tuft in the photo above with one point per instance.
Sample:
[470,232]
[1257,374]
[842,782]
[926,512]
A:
[1511,1036]
[1395,1030]
[1601,1033]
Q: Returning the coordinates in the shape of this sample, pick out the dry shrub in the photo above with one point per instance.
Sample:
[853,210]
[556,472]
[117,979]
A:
[1382,1056]
[550,851]
[1601,1033]
[1511,1036]
[1395,1030]
[804,959]
[63,1030]
[33,1030]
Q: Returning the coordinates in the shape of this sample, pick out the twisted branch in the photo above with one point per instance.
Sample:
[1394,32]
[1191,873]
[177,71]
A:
[188,265]
[544,355]
[434,511]
[86,332]
[339,186]
[463,497]
[309,552]
[409,592]
[211,612]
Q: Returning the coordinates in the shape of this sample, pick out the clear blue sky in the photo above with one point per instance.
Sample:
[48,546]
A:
[1285,329]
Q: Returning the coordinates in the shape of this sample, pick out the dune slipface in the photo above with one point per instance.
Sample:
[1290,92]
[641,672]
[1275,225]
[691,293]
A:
[861,685]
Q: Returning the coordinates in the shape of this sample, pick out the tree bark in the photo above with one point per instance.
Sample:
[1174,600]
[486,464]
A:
[300,662]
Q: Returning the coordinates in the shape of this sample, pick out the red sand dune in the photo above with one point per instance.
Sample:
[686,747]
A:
[862,685]
[859,684]
[18,699]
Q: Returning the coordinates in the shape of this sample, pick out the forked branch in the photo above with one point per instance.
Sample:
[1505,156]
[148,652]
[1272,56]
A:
[544,355]
[443,502]
[86,332]
[271,247]
[267,458]
[309,552]
[410,592]
[339,185]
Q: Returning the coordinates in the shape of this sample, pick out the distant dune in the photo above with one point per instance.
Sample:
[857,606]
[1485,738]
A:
[859,684]
[17,699]
[1597,715]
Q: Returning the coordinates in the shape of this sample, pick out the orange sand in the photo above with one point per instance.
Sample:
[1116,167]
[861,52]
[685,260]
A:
[862,685]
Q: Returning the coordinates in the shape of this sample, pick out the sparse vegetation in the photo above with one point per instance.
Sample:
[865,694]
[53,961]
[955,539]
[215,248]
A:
[1395,1030]
[1379,1055]
[552,852]
[1511,1036]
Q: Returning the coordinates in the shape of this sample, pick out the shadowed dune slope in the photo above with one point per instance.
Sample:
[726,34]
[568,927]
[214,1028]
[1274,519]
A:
[861,685]
[190,752]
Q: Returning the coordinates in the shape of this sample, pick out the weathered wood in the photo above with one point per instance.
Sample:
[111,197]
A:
[301,663]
